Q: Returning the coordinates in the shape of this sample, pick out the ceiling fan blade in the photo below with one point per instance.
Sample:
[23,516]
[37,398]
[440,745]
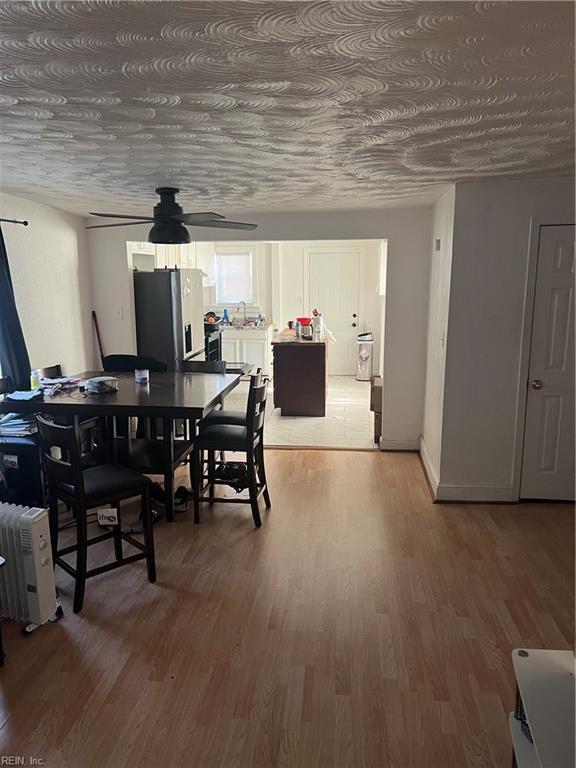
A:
[223,224]
[121,224]
[121,216]
[190,218]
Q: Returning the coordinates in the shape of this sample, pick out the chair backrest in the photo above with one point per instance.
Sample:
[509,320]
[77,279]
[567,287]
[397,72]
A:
[59,469]
[256,378]
[255,381]
[131,363]
[203,366]
[6,385]
[256,409]
[51,372]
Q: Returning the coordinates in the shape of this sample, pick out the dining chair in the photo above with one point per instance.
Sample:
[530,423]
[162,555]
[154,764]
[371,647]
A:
[221,415]
[84,489]
[145,453]
[225,416]
[51,372]
[131,363]
[248,439]
[203,366]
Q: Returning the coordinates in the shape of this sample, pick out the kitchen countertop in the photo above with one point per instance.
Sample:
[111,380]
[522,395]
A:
[262,327]
[289,337]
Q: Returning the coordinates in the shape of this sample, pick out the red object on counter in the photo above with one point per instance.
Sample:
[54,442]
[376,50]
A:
[304,320]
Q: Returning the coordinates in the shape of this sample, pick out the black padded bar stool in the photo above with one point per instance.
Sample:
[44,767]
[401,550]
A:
[84,489]
[225,416]
[248,439]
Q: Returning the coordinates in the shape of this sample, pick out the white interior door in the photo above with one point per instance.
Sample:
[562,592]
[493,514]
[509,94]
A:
[333,291]
[548,460]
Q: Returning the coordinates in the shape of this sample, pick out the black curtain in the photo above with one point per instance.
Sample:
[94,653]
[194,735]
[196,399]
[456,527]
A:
[14,359]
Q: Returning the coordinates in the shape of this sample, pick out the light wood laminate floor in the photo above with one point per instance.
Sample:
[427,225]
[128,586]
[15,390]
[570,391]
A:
[362,625]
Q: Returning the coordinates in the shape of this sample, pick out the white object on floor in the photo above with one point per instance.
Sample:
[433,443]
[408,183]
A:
[27,589]
[546,684]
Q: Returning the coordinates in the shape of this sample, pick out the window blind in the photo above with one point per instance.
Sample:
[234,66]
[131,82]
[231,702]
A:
[233,278]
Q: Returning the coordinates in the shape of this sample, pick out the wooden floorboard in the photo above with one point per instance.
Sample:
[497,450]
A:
[362,625]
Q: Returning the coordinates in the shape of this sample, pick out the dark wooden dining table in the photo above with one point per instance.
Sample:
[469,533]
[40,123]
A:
[167,396]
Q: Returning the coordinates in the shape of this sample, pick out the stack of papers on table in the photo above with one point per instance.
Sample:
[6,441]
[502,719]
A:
[17,425]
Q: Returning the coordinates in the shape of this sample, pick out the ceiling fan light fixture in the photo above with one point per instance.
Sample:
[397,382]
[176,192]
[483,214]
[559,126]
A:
[168,232]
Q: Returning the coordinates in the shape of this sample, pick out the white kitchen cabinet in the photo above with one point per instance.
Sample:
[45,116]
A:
[250,345]
[230,349]
[205,261]
[256,351]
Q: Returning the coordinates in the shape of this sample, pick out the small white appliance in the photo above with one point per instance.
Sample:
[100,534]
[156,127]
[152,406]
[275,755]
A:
[27,589]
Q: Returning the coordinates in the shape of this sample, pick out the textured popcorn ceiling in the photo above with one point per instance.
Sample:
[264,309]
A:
[279,105]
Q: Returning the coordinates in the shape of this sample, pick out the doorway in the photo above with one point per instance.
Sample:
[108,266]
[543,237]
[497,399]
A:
[343,280]
[548,451]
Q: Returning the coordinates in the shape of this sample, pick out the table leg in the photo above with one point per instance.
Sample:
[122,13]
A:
[192,432]
[112,450]
[76,423]
[168,439]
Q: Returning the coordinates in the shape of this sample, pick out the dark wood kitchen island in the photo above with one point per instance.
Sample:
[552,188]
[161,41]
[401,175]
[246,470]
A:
[300,373]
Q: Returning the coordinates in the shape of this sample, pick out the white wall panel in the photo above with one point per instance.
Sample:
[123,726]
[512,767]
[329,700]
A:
[50,272]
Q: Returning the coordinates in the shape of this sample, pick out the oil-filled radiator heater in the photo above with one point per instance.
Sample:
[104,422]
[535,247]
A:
[27,589]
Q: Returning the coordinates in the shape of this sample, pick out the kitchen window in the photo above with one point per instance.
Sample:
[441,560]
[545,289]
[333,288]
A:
[233,277]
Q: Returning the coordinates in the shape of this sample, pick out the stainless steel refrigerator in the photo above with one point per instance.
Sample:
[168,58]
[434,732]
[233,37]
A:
[169,310]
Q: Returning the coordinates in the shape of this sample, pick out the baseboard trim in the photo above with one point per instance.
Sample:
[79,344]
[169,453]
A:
[273,447]
[476,493]
[398,445]
[429,468]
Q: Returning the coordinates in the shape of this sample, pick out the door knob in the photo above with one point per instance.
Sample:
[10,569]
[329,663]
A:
[353,325]
[536,384]
[354,315]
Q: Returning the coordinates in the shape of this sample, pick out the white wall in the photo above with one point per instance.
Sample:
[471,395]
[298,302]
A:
[408,233]
[406,319]
[49,266]
[484,383]
[292,276]
[381,302]
[113,287]
[441,261]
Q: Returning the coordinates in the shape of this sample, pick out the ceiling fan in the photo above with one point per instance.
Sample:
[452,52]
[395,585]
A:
[169,220]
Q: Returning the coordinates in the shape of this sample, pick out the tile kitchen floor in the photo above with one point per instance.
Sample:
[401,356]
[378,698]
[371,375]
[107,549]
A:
[348,422]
